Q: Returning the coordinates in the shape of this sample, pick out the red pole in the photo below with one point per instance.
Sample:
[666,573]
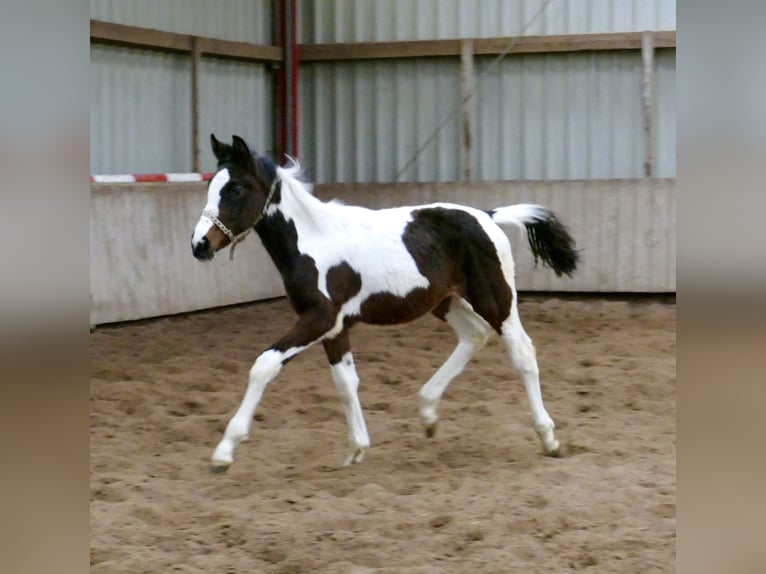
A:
[279,88]
[294,47]
[287,80]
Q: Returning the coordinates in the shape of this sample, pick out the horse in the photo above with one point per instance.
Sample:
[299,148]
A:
[344,264]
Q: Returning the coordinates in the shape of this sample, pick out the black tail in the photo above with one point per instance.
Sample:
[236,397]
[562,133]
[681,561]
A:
[548,237]
[551,241]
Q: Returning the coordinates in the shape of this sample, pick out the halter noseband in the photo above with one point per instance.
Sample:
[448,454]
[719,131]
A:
[234,239]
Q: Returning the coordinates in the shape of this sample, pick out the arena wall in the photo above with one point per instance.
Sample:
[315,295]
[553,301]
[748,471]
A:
[141,262]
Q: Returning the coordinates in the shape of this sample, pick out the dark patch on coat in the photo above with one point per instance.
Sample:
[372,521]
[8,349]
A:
[389,309]
[440,311]
[343,282]
[337,347]
[298,270]
[451,249]
[299,275]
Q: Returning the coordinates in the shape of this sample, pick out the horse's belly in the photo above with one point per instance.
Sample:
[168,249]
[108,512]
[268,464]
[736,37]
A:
[388,309]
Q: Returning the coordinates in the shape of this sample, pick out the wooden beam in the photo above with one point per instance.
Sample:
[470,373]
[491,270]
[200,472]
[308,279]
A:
[240,50]
[135,37]
[196,59]
[482,46]
[467,85]
[647,57]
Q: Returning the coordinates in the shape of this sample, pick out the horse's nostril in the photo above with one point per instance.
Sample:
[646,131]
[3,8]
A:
[202,249]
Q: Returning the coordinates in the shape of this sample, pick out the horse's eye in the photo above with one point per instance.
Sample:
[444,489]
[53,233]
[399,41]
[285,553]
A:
[235,191]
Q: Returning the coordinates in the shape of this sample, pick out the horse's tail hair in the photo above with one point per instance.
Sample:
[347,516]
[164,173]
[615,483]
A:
[549,239]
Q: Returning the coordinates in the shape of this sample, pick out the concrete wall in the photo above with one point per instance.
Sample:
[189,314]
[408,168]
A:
[141,262]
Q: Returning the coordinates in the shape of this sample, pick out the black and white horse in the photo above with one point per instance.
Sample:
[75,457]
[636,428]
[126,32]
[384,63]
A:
[343,264]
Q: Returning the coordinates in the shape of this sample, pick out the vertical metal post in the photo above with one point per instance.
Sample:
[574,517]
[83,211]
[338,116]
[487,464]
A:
[196,57]
[647,56]
[467,85]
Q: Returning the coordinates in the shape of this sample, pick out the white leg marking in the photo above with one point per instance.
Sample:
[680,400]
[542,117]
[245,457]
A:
[346,384]
[473,332]
[265,368]
[523,356]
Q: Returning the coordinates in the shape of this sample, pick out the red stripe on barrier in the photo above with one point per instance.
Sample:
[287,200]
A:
[151,177]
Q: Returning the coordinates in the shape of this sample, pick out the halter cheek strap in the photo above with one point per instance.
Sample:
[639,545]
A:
[235,239]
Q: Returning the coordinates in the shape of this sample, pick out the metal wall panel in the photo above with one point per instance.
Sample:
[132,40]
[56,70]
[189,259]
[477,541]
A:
[327,21]
[362,121]
[238,20]
[141,109]
[665,113]
[560,116]
[538,116]
[235,98]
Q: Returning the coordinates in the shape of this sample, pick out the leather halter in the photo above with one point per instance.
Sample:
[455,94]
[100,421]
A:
[235,239]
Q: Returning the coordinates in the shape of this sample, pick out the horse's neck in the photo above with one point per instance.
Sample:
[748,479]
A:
[298,204]
[298,212]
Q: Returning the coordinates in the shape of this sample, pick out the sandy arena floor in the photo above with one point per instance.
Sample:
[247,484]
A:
[479,497]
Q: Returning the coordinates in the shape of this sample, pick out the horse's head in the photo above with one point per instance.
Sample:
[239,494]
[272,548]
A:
[237,197]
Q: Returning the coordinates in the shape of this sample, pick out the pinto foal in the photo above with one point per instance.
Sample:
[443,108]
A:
[343,264]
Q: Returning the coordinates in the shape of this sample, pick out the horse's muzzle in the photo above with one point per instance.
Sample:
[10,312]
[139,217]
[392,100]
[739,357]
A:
[203,251]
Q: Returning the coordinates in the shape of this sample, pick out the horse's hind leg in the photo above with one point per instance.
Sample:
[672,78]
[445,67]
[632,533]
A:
[346,384]
[523,356]
[472,332]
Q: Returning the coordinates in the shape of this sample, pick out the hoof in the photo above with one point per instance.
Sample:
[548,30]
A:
[555,452]
[354,457]
[430,430]
[218,468]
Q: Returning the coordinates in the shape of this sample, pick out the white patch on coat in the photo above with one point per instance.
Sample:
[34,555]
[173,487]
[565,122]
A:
[204,224]
[370,241]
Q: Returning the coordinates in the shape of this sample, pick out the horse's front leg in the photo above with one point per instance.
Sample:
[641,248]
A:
[346,384]
[309,329]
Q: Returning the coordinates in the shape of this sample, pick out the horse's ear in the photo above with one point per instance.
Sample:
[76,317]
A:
[219,149]
[242,153]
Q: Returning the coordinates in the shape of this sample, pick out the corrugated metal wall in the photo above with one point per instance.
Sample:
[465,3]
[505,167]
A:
[665,113]
[569,116]
[238,20]
[141,99]
[547,116]
[361,121]
[327,21]
[141,109]
[537,116]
